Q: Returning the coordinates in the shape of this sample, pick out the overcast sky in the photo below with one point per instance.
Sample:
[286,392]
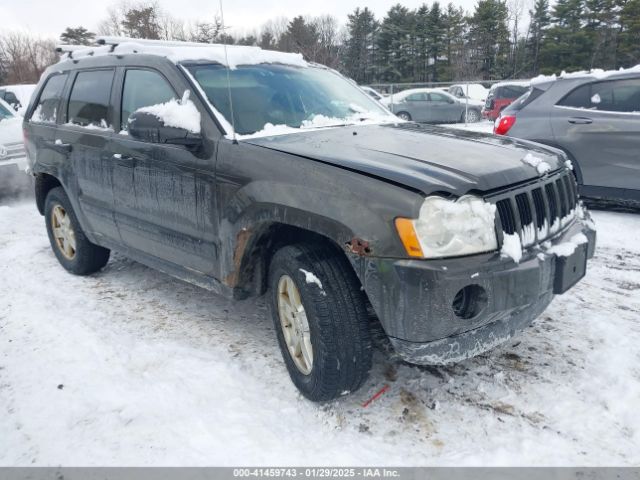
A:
[41,17]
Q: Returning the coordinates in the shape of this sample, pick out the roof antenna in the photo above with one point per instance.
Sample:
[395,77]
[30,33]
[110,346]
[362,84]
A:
[226,59]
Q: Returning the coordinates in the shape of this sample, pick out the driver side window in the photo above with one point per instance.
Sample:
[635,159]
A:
[436,97]
[143,88]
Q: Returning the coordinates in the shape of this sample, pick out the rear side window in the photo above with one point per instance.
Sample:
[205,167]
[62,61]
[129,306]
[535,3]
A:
[524,100]
[609,96]
[89,99]
[46,109]
[143,88]
[510,91]
[417,97]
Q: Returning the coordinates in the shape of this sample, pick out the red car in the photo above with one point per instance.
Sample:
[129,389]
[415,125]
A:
[500,97]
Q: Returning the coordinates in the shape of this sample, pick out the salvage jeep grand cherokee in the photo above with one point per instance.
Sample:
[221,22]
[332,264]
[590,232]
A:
[250,171]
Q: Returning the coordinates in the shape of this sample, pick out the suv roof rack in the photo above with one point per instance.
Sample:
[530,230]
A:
[114,41]
[69,49]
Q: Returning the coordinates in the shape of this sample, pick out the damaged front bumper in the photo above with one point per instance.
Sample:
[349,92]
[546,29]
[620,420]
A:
[445,311]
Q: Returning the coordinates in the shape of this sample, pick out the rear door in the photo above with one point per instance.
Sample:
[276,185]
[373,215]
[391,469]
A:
[164,193]
[417,106]
[41,124]
[84,135]
[599,124]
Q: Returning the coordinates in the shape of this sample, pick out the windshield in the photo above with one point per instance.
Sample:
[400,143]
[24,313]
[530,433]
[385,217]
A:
[265,96]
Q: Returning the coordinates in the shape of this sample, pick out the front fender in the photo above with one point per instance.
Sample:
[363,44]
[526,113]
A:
[259,188]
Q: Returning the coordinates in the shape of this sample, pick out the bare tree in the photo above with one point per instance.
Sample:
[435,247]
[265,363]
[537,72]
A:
[24,57]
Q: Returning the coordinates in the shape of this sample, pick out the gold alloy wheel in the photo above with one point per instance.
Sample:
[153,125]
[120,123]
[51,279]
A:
[295,327]
[63,232]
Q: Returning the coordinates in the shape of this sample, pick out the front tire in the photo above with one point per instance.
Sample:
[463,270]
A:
[68,242]
[321,321]
[404,116]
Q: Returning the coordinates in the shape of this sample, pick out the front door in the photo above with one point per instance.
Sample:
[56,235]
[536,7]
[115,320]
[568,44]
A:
[164,194]
[443,108]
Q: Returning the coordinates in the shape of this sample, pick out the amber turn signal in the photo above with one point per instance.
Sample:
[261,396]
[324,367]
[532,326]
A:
[407,233]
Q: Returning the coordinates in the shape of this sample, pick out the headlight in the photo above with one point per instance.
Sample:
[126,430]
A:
[447,228]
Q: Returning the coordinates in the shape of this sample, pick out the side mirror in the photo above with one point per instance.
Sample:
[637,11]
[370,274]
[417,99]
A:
[149,128]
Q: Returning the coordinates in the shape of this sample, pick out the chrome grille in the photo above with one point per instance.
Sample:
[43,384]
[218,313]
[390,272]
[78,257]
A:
[539,210]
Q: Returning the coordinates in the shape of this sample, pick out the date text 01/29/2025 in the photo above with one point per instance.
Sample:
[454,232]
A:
[321,472]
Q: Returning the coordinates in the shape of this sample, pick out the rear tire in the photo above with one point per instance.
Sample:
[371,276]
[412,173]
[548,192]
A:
[404,116]
[68,242]
[472,115]
[330,316]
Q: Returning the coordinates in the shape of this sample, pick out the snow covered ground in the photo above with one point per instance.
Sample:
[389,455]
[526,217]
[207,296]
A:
[131,367]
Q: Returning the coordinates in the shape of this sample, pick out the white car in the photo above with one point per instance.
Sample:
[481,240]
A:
[12,154]
[472,91]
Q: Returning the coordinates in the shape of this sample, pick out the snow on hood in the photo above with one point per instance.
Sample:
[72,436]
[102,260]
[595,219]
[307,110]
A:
[234,55]
[322,122]
[596,73]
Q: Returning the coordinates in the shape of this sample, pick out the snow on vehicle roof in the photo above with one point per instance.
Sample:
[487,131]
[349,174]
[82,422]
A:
[596,73]
[518,83]
[231,55]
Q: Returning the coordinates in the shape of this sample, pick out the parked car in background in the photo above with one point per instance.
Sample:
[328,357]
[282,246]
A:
[12,154]
[373,93]
[500,97]
[431,105]
[281,178]
[473,91]
[595,119]
[17,96]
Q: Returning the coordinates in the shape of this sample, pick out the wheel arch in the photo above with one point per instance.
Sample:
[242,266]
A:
[44,183]
[255,248]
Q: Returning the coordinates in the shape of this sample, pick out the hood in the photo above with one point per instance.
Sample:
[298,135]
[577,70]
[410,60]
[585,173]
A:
[425,158]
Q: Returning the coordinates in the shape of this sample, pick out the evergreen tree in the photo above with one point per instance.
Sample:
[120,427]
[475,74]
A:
[629,38]
[142,22]
[436,29]
[567,45]
[489,38]
[396,45]
[301,37]
[77,36]
[540,21]
[421,44]
[359,51]
[455,30]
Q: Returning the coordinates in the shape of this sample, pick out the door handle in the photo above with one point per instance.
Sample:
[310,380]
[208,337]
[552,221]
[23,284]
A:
[120,156]
[580,121]
[59,146]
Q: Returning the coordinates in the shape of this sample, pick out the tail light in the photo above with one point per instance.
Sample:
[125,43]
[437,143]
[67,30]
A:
[503,124]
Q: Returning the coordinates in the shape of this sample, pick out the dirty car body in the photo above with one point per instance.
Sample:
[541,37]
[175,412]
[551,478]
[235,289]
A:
[217,214]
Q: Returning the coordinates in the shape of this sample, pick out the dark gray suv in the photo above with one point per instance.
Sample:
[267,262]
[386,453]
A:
[595,119]
[281,177]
